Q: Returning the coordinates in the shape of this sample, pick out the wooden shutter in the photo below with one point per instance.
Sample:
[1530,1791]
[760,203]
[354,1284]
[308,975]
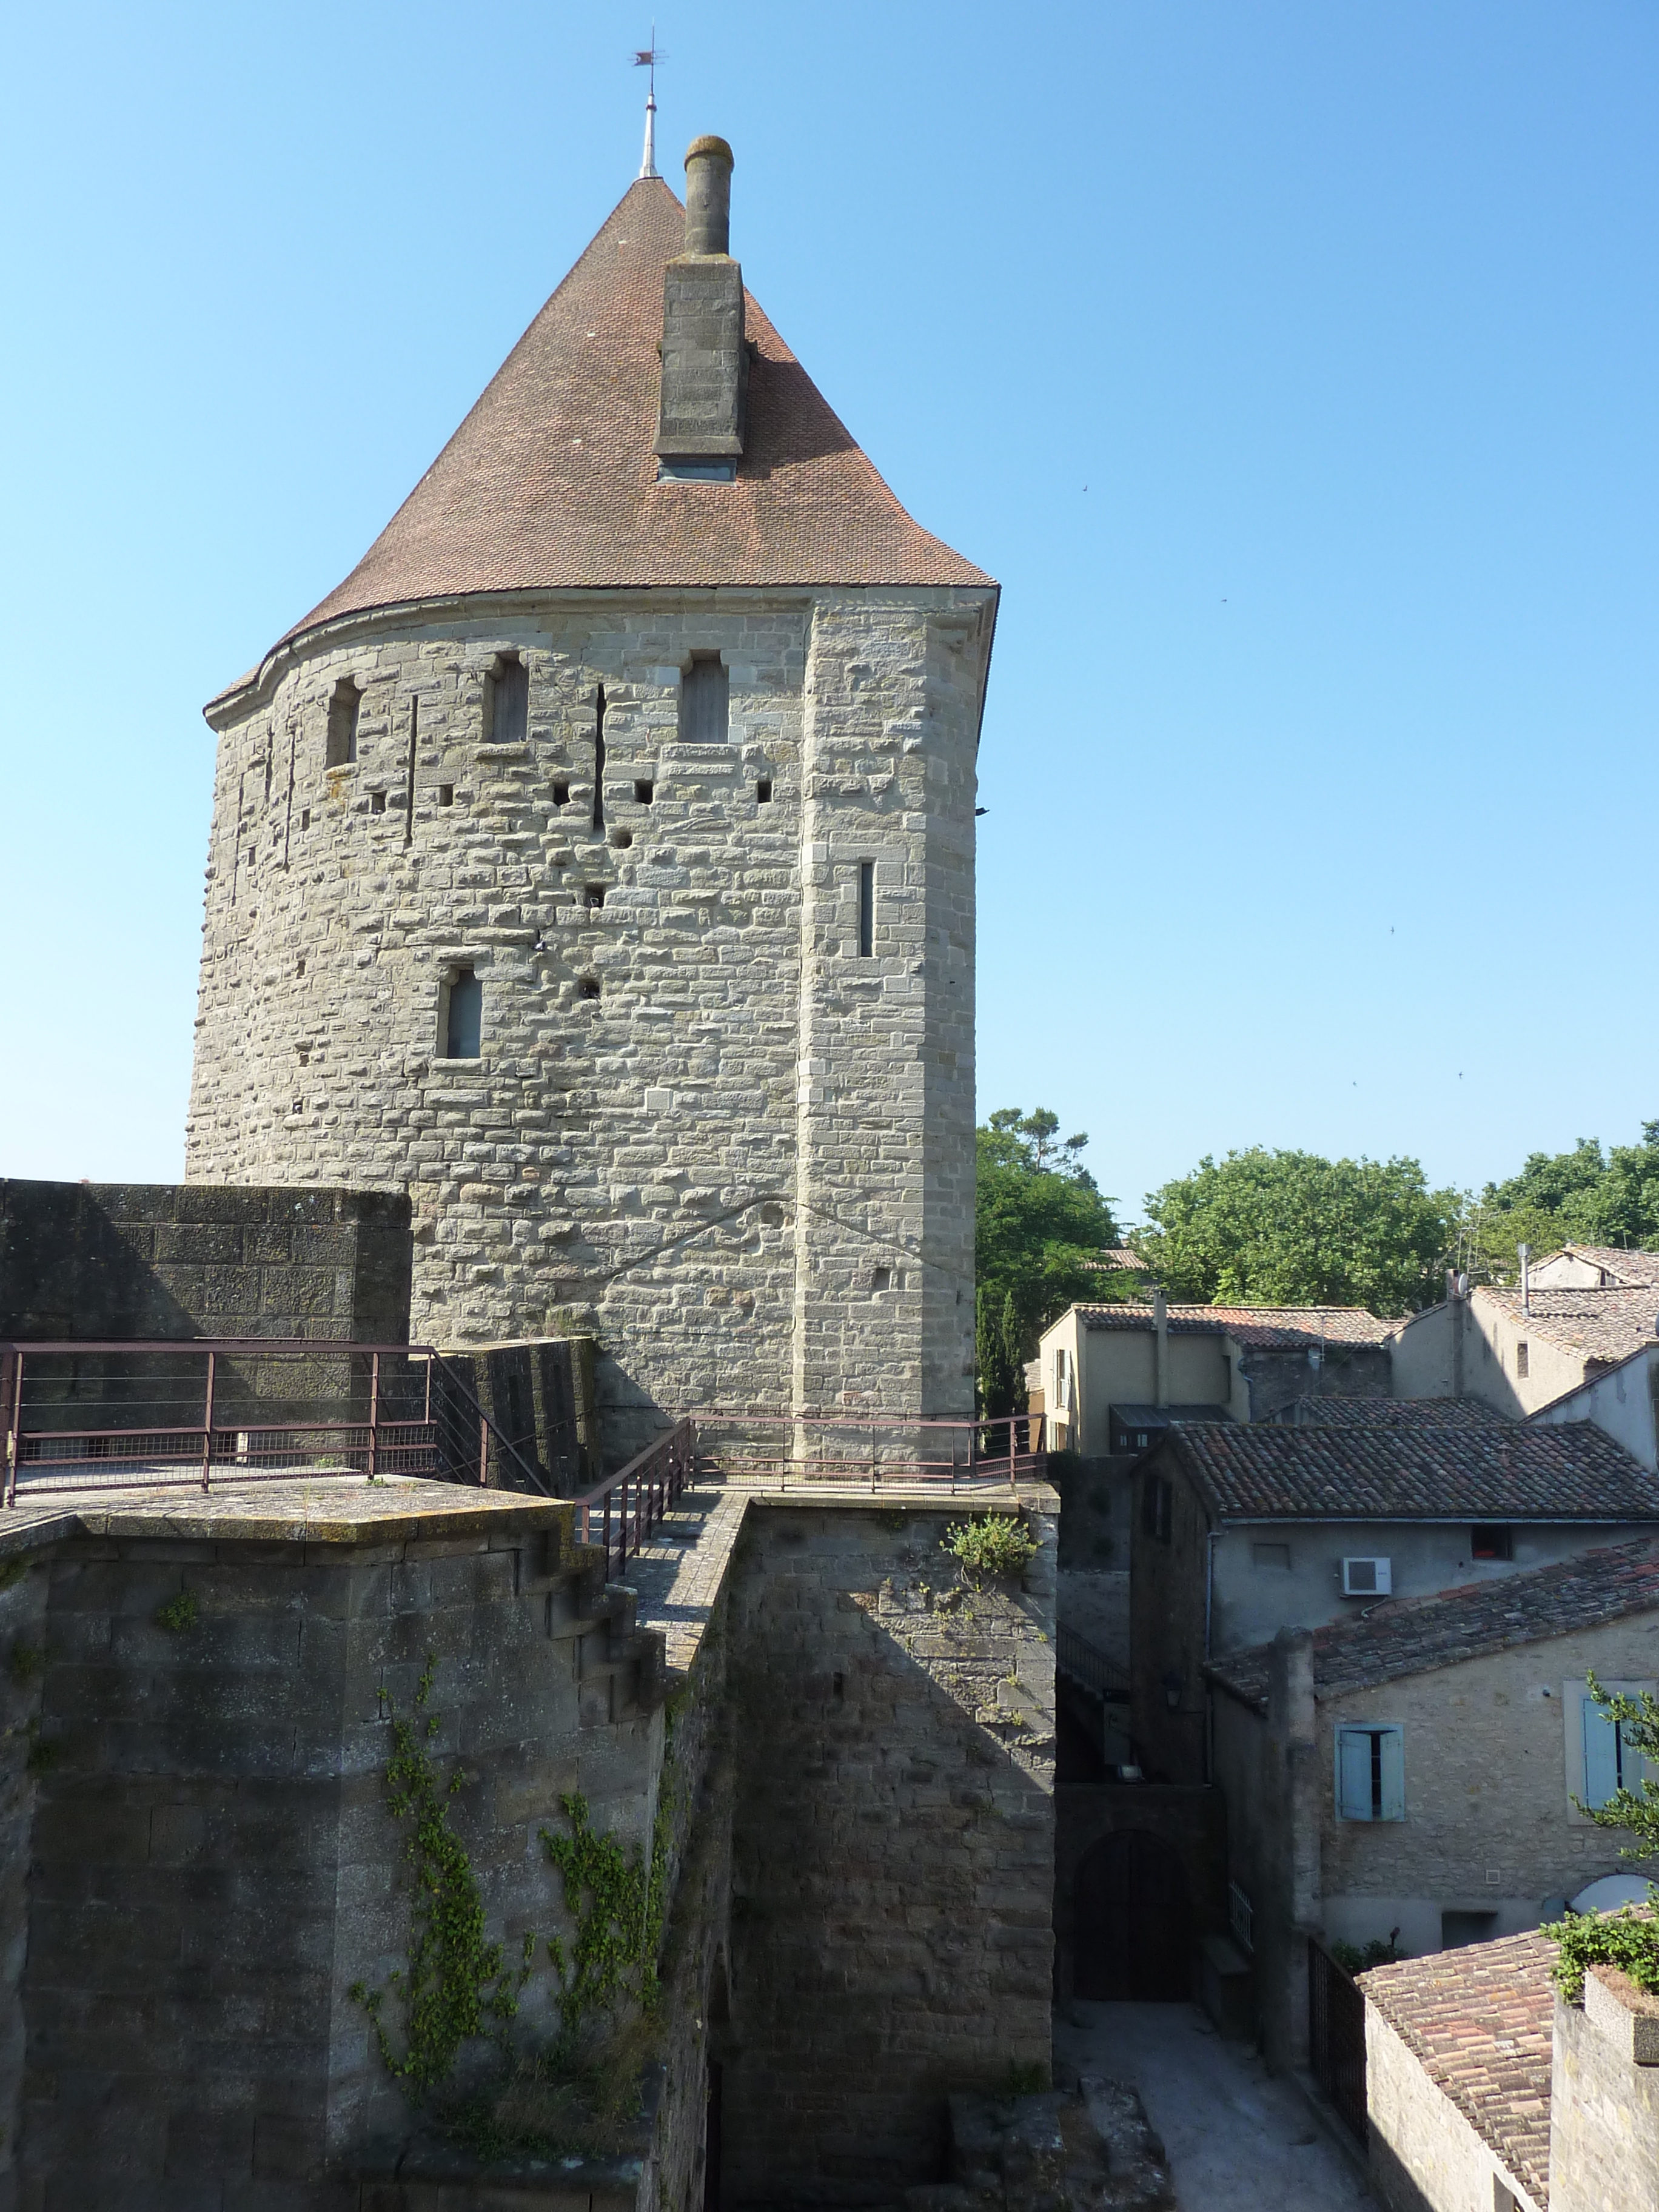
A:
[1601,1755]
[1354,1774]
[1394,1774]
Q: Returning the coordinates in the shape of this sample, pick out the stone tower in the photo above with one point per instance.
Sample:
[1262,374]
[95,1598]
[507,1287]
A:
[597,865]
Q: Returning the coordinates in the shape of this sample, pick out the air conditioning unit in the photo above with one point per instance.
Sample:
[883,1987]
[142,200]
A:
[1367,1577]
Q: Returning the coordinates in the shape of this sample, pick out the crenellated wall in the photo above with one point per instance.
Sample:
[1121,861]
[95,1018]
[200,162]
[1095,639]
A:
[749,1159]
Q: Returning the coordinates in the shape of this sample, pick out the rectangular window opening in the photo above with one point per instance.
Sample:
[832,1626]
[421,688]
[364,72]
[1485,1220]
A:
[1491,1543]
[464,1017]
[1157,1507]
[1522,1362]
[1459,1929]
[445,794]
[589,986]
[763,791]
[506,702]
[377,802]
[644,790]
[882,1279]
[561,792]
[344,708]
[593,895]
[866,909]
[305,818]
[705,701]
[1370,1773]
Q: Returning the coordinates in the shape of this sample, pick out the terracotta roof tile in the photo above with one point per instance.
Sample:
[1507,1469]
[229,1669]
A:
[1316,1412]
[1605,1325]
[1480,2021]
[1267,1328]
[1624,1266]
[1418,1635]
[1508,1472]
[551,483]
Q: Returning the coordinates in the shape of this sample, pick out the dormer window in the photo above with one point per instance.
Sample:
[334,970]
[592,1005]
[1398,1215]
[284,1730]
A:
[506,702]
[344,708]
[705,701]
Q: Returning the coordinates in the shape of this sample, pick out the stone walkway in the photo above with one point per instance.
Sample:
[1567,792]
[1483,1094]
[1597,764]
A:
[1238,2139]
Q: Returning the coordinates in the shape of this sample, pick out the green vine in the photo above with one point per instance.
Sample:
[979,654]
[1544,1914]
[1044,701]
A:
[616,1904]
[180,1613]
[456,1987]
[1615,1939]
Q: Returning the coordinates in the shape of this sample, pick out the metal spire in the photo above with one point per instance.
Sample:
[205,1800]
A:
[647,58]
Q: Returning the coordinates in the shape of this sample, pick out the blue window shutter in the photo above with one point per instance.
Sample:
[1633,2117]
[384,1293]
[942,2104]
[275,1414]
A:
[1353,1775]
[1601,1755]
[1394,1774]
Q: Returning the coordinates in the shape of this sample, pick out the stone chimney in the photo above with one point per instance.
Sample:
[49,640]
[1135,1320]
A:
[705,355]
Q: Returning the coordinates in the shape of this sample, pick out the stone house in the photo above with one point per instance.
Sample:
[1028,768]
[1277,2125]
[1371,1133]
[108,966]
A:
[1240,1532]
[1488,2092]
[1578,1317]
[1414,1770]
[595,865]
[1247,1360]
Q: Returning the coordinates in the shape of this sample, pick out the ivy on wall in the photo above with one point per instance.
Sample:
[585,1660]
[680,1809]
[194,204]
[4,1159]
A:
[455,1986]
[616,1902]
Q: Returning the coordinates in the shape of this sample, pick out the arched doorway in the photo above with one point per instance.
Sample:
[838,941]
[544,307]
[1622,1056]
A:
[1131,1921]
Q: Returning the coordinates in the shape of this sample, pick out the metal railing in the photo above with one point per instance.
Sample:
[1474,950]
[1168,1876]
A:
[875,1448]
[620,1514]
[1336,2038]
[79,1415]
[1088,1665]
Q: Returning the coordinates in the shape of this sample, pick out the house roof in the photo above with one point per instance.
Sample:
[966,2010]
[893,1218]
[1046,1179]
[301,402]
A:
[551,483]
[1602,1324]
[1309,1412]
[1418,1635]
[1571,1471]
[1265,1329]
[1623,1266]
[1480,2021]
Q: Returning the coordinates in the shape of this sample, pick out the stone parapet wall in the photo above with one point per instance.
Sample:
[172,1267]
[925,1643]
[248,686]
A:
[748,1161]
[893,1852]
[1604,2101]
[164,1261]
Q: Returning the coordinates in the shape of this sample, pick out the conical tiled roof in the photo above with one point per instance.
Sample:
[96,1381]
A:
[551,482]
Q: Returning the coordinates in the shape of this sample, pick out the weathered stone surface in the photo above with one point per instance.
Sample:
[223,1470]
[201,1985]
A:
[717,1160]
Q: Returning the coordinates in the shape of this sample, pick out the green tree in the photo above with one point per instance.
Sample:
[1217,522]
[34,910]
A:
[1623,1939]
[1039,1219]
[1285,1228]
[1586,1196]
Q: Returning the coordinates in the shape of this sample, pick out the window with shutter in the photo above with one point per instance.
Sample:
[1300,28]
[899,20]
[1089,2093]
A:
[1370,1773]
[1602,1749]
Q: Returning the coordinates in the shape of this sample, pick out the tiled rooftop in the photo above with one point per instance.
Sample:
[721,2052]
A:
[551,483]
[1624,1267]
[1506,1471]
[1415,1636]
[1605,1325]
[1267,1328]
[1390,1413]
[1480,2021]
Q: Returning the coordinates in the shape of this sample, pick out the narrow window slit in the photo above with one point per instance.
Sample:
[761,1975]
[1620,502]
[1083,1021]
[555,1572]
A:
[507,702]
[763,791]
[464,1016]
[598,760]
[343,709]
[866,909]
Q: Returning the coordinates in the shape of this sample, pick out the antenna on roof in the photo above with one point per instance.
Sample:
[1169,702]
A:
[647,58]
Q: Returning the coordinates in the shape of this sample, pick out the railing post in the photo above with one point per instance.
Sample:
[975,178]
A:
[1014,1432]
[373,1414]
[207,1417]
[606,1539]
[14,1414]
[484,1452]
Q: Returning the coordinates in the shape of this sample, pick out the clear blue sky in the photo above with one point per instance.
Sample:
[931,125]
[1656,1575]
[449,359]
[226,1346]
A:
[1291,363]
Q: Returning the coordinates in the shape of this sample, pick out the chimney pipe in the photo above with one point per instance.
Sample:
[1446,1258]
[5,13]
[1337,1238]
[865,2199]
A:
[1160,1349]
[708,196]
[1523,1253]
[705,349]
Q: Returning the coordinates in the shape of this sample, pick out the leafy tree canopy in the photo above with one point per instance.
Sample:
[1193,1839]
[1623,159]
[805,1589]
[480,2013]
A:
[1285,1228]
[1586,1196]
[1039,1220]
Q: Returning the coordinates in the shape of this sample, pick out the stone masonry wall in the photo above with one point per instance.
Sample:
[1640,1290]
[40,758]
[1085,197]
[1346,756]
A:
[213,1863]
[893,1846]
[718,1154]
[161,1260]
[1604,2103]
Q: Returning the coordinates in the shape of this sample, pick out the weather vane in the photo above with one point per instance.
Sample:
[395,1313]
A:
[646,57]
